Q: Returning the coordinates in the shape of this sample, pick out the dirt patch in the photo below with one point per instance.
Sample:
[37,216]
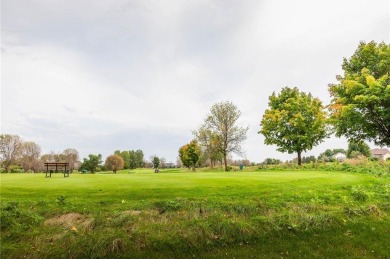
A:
[374,210]
[74,221]
[131,212]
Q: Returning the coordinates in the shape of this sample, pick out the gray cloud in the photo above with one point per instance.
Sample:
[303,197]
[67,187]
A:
[108,75]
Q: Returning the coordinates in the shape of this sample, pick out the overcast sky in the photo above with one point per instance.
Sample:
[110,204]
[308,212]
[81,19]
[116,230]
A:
[105,75]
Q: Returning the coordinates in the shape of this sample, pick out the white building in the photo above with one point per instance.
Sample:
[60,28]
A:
[340,156]
[381,153]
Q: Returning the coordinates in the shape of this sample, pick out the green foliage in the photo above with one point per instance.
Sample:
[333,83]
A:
[271,161]
[15,169]
[211,144]
[357,165]
[328,155]
[356,148]
[360,108]
[16,218]
[91,163]
[132,158]
[61,200]
[295,121]
[189,154]
[155,162]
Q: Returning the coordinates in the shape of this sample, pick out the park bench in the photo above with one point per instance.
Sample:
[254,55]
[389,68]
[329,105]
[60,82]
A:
[55,168]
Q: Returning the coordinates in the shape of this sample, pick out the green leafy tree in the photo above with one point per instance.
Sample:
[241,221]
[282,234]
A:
[360,108]
[210,143]
[132,158]
[308,159]
[222,121]
[189,154]
[139,158]
[92,162]
[328,155]
[155,162]
[272,161]
[295,122]
[125,156]
[114,163]
[356,148]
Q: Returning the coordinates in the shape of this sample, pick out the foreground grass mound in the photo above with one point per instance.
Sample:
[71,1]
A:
[176,214]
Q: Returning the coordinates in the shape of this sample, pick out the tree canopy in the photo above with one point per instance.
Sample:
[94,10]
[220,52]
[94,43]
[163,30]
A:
[114,163]
[132,158]
[360,108]
[155,162]
[210,143]
[328,155]
[189,154]
[92,162]
[222,121]
[295,121]
[356,148]
[10,149]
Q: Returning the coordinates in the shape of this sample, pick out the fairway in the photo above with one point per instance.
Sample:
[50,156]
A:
[179,214]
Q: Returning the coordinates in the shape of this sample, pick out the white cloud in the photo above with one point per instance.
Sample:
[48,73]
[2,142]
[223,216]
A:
[106,75]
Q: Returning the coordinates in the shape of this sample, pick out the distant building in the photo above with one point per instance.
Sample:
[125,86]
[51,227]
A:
[340,156]
[381,153]
[170,165]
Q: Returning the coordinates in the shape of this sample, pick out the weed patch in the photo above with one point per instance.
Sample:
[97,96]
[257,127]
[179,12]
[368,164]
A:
[73,221]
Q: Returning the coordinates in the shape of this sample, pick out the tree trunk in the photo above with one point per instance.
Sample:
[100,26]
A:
[299,158]
[224,158]
[8,166]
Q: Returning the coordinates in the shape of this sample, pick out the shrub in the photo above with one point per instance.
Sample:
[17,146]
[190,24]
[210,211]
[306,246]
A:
[16,169]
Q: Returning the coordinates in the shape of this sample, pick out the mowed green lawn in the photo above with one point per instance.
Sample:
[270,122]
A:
[180,214]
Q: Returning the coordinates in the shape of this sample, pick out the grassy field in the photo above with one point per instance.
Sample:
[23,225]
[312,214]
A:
[178,214]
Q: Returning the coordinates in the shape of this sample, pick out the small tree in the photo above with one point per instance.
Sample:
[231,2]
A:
[222,121]
[211,145]
[10,149]
[295,121]
[156,162]
[92,162]
[114,163]
[189,154]
[29,159]
[163,162]
[356,148]
[71,156]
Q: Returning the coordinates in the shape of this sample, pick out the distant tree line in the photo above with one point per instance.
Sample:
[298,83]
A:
[132,158]
[295,122]
[17,154]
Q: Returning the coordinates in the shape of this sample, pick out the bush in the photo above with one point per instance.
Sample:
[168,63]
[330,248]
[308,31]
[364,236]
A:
[16,169]
[356,165]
